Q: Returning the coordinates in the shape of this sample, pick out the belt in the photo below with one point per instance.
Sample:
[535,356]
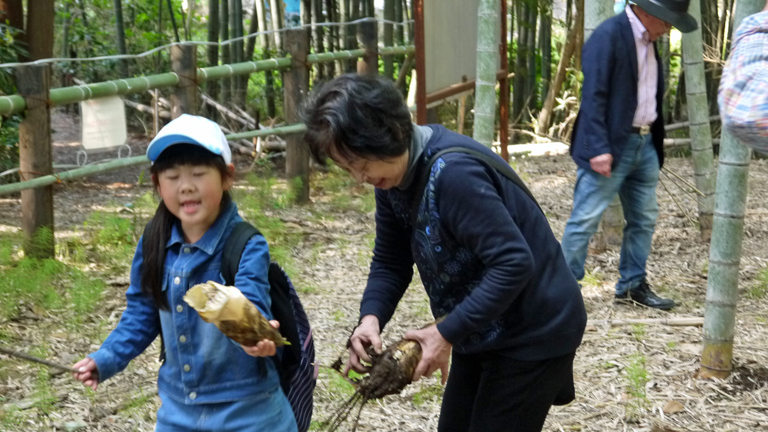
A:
[642,130]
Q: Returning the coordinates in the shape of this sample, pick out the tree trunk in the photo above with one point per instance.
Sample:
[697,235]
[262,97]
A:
[664,52]
[727,235]
[276,13]
[212,87]
[545,43]
[545,116]
[698,114]
[159,30]
[190,18]
[253,27]
[39,34]
[487,64]
[579,36]
[235,53]
[521,70]
[120,34]
[226,52]
[530,86]
[269,90]
[389,36]
[349,33]
[12,12]
[64,30]
[333,33]
[173,21]
[318,20]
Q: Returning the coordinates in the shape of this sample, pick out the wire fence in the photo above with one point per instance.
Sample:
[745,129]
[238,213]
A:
[200,43]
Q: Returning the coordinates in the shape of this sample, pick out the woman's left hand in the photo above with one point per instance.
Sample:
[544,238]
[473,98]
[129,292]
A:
[435,352]
[265,347]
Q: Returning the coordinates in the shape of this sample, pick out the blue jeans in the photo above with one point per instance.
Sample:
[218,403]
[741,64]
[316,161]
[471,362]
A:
[264,412]
[634,178]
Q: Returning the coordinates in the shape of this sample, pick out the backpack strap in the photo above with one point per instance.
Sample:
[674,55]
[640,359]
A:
[233,250]
[497,164]
[279,293]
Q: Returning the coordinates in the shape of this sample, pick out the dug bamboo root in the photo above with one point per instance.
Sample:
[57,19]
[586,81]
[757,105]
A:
[390,373]
[231,312]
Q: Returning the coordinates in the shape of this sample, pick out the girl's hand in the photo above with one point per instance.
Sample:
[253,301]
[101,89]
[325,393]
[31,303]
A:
[265,348]
[88,374]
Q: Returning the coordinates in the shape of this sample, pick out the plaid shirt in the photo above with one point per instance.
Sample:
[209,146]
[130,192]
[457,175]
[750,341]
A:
[743,95]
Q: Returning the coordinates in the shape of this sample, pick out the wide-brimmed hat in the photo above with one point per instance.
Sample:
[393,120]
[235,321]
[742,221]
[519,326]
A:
[674,12]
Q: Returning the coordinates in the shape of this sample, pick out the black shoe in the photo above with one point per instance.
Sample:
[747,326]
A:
[643,295]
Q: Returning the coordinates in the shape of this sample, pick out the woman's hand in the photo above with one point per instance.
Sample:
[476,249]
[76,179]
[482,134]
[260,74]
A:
[435,352]
[366,334]
[265,348]
[88,374]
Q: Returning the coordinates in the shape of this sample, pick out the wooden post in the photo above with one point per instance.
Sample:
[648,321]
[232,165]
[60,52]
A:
[36,160]
[462,113]
[295,88]
[504,87]
[368,35]
[184,64]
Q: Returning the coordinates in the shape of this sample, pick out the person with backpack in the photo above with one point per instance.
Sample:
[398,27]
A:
[207,382]
[506,302]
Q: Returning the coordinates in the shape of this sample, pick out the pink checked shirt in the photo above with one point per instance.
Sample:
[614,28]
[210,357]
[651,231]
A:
[647,72]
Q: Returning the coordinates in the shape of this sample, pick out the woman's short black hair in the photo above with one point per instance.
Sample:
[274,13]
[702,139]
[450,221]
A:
[357,116]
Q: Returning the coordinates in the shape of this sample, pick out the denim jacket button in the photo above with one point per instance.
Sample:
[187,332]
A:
[182,338]
[186,250]
[187,368]
[193,395]
[177,280]
[179,308]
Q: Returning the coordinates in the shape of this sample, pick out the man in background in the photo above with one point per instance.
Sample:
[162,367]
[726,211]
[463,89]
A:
[618,139]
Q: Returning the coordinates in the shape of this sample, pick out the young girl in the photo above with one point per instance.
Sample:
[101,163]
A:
[207,382]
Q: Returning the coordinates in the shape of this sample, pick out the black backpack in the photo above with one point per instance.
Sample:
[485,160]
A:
[297,369]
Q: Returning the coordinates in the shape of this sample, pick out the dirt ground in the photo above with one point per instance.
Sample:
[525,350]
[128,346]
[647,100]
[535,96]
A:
[333,257]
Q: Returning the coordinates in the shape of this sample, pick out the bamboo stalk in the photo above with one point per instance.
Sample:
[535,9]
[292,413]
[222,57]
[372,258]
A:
[727,236]
[24,356]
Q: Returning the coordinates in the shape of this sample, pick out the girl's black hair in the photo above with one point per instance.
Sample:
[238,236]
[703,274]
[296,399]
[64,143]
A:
[158,230]
[357,116]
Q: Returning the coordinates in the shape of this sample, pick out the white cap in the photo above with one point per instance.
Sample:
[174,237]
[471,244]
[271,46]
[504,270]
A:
[189,129]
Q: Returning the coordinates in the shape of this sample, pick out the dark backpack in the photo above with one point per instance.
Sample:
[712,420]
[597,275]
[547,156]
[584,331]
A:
[298,373]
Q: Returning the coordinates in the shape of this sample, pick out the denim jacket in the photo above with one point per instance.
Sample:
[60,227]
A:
[202,365]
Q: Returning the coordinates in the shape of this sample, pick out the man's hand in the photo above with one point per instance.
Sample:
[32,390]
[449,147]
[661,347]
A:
[365,335]
[435,352]
[265,347]
[602,164]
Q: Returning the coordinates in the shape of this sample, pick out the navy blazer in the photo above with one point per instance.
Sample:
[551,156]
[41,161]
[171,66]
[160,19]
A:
[609,94]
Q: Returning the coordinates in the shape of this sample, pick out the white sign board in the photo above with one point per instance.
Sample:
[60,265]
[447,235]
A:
[103,123]
[450,42]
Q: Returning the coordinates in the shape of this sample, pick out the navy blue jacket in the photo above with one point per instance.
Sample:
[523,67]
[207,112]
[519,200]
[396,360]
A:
[609,94]
[486,255]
